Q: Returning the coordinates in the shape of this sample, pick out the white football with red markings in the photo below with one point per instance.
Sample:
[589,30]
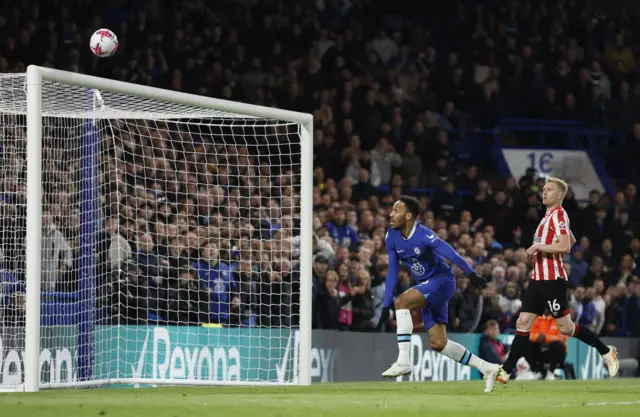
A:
[104,43]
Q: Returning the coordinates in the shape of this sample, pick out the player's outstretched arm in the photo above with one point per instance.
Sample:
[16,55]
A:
[446,251]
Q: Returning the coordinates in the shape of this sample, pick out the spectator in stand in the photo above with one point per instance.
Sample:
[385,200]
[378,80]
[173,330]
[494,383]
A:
[600,304]
[614,313]
[412,169]
[387,160]
[345,287]
[498,278]
[189,302]
[447,202]
[623,274]
[510,305]
[491,348]
[584,309]
[56,254]
[320,264]
[341,232]
[329,303]
[377,288]
[595,272]
[579,267]
[634,251]
[149,263]
[465,306]
[218,279]
[362,302]
[608,257]
[119,250]
[632,312]
[490,304]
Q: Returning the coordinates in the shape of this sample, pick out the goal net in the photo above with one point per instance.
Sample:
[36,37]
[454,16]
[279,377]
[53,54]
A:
[150,237]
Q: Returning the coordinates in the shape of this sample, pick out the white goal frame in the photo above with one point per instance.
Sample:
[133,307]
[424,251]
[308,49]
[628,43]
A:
[35,77]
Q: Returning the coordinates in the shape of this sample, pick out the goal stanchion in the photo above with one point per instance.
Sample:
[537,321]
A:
[173,216]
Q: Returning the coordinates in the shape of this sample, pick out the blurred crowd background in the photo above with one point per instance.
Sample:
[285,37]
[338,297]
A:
[201,225]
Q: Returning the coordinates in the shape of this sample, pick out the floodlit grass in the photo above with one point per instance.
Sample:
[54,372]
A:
[615,398]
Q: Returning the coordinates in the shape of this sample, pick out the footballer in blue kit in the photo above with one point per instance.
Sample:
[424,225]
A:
[423,253]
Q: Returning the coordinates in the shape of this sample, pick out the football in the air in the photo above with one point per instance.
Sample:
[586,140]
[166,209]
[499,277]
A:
[104,43]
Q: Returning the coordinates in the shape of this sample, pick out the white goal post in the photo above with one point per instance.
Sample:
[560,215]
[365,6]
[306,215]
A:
[114,147]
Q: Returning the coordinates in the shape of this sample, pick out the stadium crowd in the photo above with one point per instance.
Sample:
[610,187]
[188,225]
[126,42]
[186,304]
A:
[197,231]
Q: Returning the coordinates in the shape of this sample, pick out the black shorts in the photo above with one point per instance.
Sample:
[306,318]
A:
[542,295]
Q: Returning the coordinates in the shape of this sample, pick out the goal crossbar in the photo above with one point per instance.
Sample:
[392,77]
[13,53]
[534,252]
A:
[36,74]
[35,78]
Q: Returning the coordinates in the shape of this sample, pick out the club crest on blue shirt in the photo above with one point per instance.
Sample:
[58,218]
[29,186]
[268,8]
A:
[218,285]
[416,250]
[417,269]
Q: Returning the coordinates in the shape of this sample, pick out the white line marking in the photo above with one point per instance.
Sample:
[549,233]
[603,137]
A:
[600,404]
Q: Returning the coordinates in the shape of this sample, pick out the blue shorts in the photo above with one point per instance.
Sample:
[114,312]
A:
[437,292]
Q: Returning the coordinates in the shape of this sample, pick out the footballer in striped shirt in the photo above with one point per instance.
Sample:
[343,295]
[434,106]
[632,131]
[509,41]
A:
[548,288]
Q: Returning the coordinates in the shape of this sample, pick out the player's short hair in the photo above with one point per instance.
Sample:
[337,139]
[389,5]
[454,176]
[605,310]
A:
[412,204]
[562,186]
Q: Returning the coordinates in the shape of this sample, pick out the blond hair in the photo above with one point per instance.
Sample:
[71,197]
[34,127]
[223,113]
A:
[562,186]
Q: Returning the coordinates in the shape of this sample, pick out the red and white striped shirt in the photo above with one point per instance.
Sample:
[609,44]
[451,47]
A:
[548,266]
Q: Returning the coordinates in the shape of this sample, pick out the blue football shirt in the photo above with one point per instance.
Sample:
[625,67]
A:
[423,253]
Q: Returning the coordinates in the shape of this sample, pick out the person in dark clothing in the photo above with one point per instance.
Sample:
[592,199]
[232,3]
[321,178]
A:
[13,310]
[464,307]
[275,297]
[499,216]
[441,173]
[491,348]
[528,226]
[188,301]
[446,203]
[479,205]
[609,259]
[528,180]
[598,227]
[363,189]
[178,257]
[632,312]
[622,231]
[468,180]
[130,296]
[320,265]
[362,303]
[329,303]
[150,264]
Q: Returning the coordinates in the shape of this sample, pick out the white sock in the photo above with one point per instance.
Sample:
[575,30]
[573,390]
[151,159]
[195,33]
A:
[459,353]
[403,333]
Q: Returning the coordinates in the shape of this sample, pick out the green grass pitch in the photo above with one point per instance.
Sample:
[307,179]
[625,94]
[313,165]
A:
[620,397]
